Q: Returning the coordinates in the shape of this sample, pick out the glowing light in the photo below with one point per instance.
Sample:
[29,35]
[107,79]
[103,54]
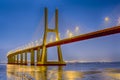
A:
[29,45]
[56,39]
[40,41]
[107,19]
[60,35]
[51,38]
[36,42]
[77,30]
[68,31]
[72,75]
[32,44]
[70,34]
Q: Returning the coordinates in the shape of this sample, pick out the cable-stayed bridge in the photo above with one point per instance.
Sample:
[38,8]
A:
[20,56]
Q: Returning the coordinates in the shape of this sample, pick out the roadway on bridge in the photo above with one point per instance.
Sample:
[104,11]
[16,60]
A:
[100,33]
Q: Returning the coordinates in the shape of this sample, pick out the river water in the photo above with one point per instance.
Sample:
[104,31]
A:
[72,71]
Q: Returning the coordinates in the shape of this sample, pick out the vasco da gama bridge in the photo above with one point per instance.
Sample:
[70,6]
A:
[20,56]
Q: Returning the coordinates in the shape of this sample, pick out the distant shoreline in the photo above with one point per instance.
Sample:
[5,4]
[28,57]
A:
[82,62]
[3,63]
[93,62]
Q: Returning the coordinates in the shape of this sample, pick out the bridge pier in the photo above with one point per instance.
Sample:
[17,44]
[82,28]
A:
[38,55]
[13,59]
[32,57]
[25,63]
[17,58]
[8,59]
[21,58]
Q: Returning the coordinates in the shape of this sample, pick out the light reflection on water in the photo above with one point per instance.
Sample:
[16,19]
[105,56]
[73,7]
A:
[69,72]
[17,72]
[113,73]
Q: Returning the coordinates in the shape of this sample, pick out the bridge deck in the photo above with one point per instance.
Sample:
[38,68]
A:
[90,35]
[100,33]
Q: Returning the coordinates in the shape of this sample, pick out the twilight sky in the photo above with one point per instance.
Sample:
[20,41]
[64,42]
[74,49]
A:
[21,21]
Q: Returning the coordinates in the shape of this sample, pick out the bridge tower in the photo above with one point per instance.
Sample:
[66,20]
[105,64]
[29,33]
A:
[42,58]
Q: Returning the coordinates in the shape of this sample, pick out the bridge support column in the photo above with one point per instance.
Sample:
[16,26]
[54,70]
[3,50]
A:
[44,48]
[21,58]
[43,57]
[8,60]
[60,58]
[25,58]
[17,59]
[32,57]
[13,59]
[38,55]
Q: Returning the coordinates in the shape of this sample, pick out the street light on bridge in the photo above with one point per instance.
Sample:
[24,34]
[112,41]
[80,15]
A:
[106,18]
[77,30]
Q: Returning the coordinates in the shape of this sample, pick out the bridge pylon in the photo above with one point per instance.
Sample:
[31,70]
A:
[43,57]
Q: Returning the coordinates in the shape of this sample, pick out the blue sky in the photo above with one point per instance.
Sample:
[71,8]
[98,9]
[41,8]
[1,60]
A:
[21,22]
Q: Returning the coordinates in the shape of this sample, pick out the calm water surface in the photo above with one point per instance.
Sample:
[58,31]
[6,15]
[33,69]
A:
[72,71]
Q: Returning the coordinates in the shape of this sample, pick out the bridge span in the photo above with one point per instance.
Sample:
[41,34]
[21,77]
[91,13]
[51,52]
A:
[100,33]
[20,57]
